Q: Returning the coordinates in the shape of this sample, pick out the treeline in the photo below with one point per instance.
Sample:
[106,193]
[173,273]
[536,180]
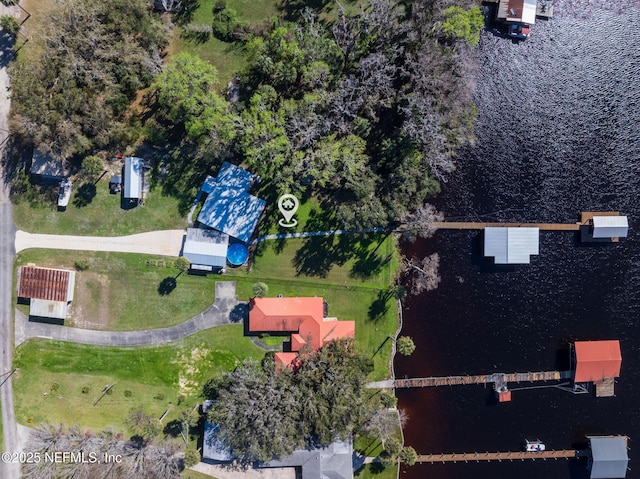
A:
[368,111]
[72,92]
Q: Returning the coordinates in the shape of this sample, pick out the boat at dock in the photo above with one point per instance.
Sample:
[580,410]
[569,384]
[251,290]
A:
[534,446]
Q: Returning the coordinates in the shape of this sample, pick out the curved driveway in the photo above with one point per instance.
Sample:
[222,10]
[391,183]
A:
[225,310]
[163,243]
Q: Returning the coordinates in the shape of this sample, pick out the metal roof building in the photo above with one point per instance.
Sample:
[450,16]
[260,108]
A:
[518,11]
[206,247]
[331,462]
[511,245]
[132,178]
[45,167]
[610,226]
[609,457]
[597,360]
[48,290]
[231,177]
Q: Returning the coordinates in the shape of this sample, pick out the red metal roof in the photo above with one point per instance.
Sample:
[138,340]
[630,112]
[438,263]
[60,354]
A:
[43,283]
[282,314]
[596,360]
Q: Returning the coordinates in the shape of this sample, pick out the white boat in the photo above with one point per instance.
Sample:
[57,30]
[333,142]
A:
[64,193]
[535,446]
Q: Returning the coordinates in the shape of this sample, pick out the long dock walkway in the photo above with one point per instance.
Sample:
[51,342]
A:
[499,456]
[471,225]
[497,378]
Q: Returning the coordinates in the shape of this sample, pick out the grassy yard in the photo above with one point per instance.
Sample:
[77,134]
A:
[98,213]
[52,377]
[120,292]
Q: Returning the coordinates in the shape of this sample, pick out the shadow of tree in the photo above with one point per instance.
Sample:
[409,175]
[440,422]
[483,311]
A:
[380,305]
[84,195]
[292,10]
[239,313]
[167,286]
[186,11]
[196,36]
[172,428]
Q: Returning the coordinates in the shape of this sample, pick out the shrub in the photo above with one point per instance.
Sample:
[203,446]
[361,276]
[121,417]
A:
[405,345]
[128,393]
[260,290]
[191,457]
[81,264]
[55,387]
[10,25]
[85,390]
[159,397]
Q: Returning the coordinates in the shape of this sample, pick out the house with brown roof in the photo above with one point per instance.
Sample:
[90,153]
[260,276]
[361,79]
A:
[304,318]
[48,291]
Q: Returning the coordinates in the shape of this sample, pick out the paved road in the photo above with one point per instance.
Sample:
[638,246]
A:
[163,243]
[225,310]
[7,233]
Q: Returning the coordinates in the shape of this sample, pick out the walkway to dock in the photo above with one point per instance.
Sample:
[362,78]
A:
[499,456]
[470,225]
[498,379]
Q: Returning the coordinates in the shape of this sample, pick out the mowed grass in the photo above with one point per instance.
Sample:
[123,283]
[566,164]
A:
[102,215]
[355,285]
[51,377]
[120,292]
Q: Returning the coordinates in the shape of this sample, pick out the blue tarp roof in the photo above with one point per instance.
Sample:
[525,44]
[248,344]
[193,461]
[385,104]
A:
[228,207]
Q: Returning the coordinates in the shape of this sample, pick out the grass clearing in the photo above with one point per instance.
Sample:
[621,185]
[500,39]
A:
[100,213]
[120,292]
[52,376]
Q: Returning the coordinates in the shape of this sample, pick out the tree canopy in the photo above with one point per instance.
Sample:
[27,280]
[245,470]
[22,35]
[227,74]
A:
[264,412]
[93,59]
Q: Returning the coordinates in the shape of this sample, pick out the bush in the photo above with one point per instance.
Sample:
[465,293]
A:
[159,397]
[92,166]
[226,24]
[85,390]
[128,393]
[55,387]
[408,455]
[191,457]
[81,264]
[388,400]
[461,24]
[405,345]
[10,25]
[260,290]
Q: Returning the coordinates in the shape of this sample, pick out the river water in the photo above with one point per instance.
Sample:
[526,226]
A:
[558,132]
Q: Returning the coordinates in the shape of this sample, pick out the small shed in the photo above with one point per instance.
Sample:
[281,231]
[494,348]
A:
[48,291]
[518,11]
[597,360]
[205,248]
[511,245]
[610,226]
[609,457]
[132,178]
[46,169]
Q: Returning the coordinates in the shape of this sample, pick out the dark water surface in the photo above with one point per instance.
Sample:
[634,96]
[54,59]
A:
[558,132]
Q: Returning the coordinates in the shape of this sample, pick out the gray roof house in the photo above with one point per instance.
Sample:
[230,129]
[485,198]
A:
[609,457]
[332,462]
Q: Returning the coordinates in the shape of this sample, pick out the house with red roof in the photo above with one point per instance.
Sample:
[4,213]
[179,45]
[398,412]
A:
[302,317]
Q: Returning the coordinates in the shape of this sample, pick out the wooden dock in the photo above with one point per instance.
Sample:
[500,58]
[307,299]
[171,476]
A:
[472,225]
[499,379]
[498,456]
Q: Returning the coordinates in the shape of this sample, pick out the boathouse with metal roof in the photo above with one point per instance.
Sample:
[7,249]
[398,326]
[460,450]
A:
[511,245]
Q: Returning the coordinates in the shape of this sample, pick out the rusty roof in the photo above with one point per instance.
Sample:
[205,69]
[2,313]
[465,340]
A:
[43,283]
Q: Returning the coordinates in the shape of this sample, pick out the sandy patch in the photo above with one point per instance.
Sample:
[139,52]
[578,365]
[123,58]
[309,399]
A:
[189,362]
[90,308]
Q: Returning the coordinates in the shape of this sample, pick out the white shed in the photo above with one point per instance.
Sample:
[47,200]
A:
[610,226]
[511,245]
[133,178]
[609,457]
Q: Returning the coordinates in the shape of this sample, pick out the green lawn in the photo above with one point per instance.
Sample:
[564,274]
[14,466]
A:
[51,377]
[120,292]
[102,215]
